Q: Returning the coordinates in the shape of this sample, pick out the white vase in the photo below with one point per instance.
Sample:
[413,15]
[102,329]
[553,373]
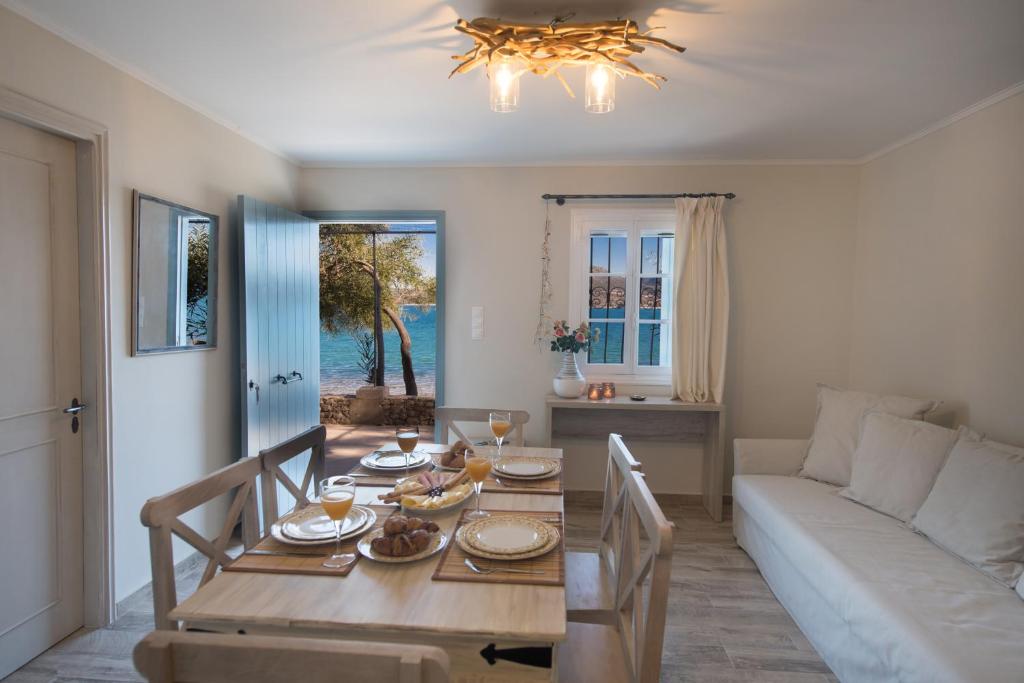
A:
[569,382]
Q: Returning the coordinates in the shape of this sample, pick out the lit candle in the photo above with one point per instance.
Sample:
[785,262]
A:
[609,389]
[594,392]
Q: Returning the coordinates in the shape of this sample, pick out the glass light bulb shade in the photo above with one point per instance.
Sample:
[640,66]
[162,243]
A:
[600,89]
[503,72]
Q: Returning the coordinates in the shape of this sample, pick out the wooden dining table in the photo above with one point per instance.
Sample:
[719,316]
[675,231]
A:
[402,603]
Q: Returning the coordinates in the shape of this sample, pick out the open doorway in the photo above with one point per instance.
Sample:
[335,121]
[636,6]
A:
[381,328]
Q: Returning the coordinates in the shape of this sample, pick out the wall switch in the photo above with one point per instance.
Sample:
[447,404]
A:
[477,324]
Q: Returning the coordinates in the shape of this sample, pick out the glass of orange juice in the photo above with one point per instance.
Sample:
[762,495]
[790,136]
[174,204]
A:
[407,438]
[477,467]
[501,424]
[336,497]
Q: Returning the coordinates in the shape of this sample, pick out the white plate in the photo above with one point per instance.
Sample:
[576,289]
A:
[393,460]
[524,467]
[312,524]
[438,511]
[279,535]
[460,539]
[437,542]
[554,471]
[505,535]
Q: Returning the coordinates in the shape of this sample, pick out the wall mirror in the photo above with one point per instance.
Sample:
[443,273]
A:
[175,277]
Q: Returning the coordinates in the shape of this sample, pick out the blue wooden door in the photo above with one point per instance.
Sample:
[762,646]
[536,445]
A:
[280,329]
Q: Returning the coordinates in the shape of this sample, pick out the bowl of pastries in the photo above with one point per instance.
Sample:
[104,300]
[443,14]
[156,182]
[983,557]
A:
[431,492]
[402,539]
[454,459]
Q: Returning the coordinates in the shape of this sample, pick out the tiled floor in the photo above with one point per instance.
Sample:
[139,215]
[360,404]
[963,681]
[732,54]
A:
[724,625]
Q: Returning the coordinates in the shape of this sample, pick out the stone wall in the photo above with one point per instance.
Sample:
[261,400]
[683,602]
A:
[398,410]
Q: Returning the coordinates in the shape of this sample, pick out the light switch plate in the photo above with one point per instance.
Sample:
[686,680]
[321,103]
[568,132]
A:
[477,323]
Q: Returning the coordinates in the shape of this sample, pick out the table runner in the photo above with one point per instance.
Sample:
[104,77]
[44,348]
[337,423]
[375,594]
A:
[304,559]
[452,565]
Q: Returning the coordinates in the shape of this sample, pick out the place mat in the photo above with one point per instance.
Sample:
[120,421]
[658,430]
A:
[551,485]
[378,478]
[305,559]
[452,565]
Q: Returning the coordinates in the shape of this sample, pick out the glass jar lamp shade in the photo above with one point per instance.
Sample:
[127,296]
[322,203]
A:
[600,89]
[503,72]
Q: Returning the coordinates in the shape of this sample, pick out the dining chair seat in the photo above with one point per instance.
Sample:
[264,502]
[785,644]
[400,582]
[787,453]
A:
[180,657]
[592,653]
[589,589]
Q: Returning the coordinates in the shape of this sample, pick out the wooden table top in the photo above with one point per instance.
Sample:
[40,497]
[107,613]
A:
[394,598]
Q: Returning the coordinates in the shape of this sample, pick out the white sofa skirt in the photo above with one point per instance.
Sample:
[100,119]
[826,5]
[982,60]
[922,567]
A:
[877,601]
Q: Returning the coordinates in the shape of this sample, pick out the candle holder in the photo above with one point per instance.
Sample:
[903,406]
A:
[594,392]
[608,390]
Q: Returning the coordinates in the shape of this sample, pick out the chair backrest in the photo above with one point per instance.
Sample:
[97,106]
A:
[446,418]
[161,515]
[312,440]
[171,656]
[621,464]
[645,559]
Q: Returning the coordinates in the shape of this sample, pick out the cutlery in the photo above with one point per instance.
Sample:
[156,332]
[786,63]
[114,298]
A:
[281,553]
[479,570]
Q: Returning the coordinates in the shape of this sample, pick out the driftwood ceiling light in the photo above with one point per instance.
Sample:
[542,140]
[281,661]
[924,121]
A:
[509,50]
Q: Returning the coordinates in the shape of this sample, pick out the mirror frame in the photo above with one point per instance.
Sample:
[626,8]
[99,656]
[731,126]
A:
[211,344]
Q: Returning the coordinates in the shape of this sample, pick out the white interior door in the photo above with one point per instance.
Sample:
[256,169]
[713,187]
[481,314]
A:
[280,301]
[40,458]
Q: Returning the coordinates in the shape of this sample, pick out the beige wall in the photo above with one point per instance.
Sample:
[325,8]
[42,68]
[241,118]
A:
[939,296]
[174,416]
[791,236]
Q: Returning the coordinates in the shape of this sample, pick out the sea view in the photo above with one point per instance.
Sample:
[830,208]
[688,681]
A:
[339,356]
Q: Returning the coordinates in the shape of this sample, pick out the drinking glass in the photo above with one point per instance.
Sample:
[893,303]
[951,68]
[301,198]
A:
[407,438]
[336,497]
[501,424]
[477,467]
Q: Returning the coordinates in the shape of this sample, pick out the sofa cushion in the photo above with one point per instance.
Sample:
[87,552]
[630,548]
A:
[837,428]
[922,613]
[976,508]
[896,463]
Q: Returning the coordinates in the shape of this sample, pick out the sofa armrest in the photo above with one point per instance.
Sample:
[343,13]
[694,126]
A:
[768,456]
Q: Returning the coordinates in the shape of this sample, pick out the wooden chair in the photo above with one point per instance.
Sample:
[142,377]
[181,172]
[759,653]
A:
[170,656]
[161,515]
[630,649]
[590,578]
[447,417]
[273,459]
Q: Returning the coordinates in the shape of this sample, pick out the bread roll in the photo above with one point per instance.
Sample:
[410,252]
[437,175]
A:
[395,524]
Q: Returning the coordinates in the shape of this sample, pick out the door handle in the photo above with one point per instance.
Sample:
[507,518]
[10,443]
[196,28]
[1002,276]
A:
[73,410]
[253,386]
[295,376]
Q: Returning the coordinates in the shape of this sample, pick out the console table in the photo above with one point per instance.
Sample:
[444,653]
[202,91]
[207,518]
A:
[655,419]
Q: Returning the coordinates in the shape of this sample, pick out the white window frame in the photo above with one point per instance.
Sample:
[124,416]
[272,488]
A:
[634,223]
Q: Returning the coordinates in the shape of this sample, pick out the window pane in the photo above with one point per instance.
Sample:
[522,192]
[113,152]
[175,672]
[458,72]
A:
[607,297]
[652,295]
[607,254]
[609,349]
[653,346]
[656,254]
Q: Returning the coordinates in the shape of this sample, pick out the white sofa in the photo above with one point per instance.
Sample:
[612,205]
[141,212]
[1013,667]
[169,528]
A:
[878,601]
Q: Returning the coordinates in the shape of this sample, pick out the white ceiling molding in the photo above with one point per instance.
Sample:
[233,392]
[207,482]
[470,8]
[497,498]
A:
[948,121]
[26,10]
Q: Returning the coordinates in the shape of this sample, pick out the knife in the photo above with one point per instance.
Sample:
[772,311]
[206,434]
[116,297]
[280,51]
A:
[280,553]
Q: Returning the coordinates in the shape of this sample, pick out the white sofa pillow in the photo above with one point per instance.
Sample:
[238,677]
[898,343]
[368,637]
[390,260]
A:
[896,463]
[976,508]
[837,427]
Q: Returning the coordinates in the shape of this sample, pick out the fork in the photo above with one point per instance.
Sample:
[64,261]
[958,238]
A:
[479,570]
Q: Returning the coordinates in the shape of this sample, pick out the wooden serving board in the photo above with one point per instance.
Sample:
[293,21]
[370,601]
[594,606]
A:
[306,559]
[452,566]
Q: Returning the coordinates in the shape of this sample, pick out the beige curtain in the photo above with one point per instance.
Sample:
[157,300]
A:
[700,283]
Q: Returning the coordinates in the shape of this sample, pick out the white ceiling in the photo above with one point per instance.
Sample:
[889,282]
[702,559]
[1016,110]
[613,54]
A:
[352,82]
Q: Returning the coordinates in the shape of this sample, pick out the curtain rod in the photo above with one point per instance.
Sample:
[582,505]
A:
[561,198]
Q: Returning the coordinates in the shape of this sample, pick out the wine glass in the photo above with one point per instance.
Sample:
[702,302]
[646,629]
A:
[477,467]
[336,497]
[407,438]
[501,424]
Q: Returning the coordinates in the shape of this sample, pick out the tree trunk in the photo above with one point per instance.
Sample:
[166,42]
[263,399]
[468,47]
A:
[403,334]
